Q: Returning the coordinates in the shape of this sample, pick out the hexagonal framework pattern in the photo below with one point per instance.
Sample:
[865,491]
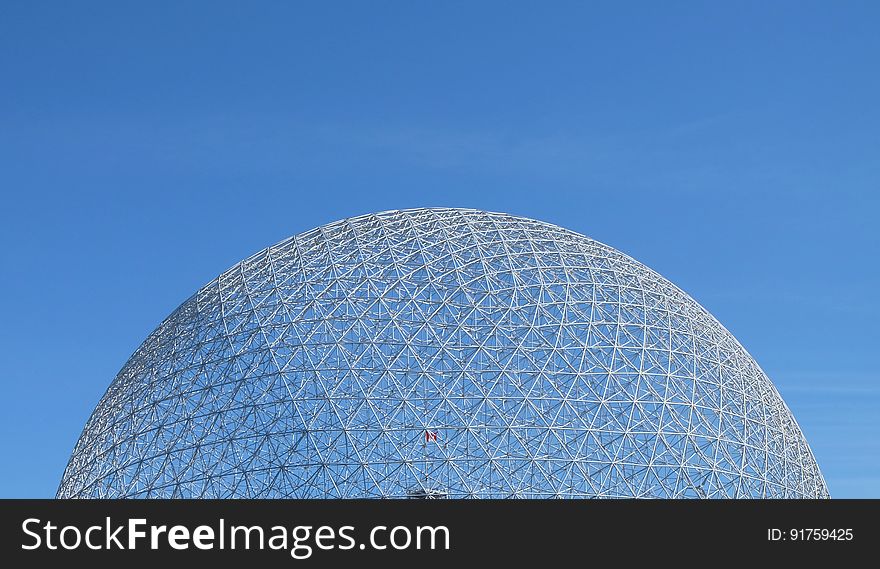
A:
[441,352]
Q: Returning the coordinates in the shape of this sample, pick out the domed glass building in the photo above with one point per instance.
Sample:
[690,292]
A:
[441,353]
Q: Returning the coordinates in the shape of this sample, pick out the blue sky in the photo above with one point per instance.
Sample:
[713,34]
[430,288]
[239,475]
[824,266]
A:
[146,147]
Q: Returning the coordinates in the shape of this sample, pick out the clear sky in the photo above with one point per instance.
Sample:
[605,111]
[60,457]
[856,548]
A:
[144,148]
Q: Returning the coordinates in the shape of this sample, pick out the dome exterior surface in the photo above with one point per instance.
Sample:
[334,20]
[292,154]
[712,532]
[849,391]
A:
[441,353]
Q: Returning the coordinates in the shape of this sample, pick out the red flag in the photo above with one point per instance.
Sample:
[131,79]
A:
[430,436]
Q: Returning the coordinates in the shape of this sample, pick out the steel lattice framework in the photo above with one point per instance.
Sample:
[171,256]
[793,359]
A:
[441,352]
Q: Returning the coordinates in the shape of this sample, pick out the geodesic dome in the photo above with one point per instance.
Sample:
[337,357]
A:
[441,353]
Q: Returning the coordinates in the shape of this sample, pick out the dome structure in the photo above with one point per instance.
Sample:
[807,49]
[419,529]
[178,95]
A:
[441,353]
